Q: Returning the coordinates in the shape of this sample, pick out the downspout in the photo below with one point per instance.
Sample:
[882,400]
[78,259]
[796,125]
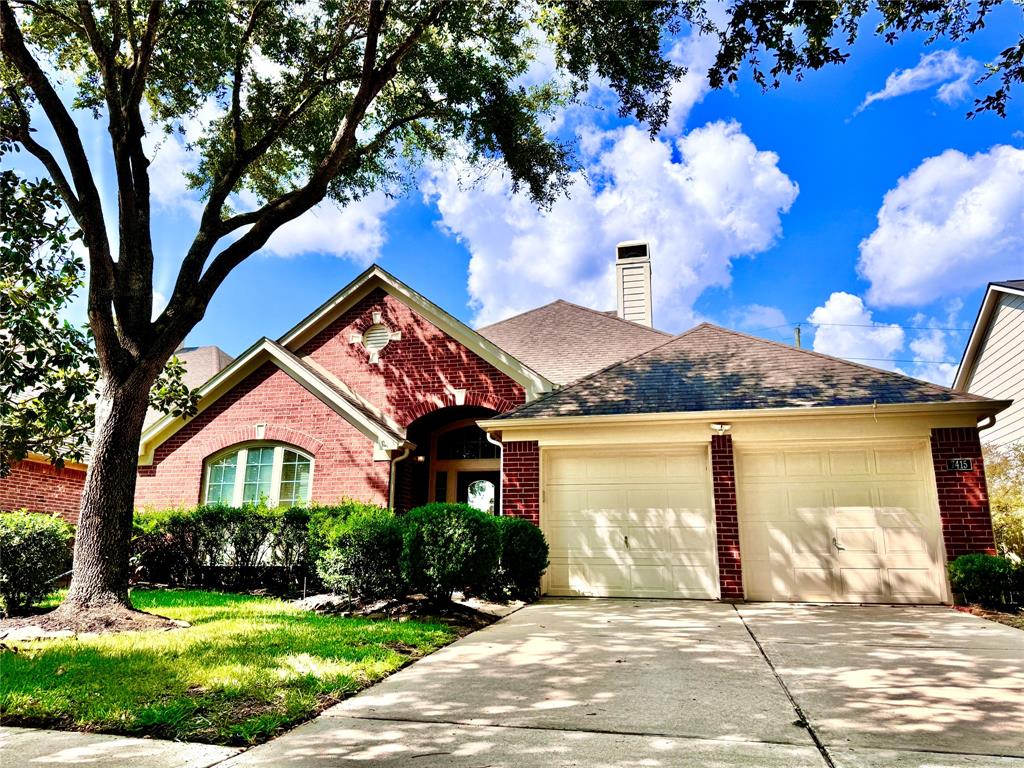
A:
[501,470]
[391,483]
[991,423]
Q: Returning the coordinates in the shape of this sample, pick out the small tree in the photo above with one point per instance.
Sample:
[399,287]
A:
[1004,471]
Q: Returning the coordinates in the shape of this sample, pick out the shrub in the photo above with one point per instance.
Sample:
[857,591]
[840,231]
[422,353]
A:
[34,549]
[365,558]
[984,579]
[327,523]
[449,547]
[523,558]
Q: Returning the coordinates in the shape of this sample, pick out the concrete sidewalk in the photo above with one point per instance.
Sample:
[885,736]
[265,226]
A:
[30,746]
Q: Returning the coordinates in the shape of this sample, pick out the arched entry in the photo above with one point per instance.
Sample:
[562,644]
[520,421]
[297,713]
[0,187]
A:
[453,461]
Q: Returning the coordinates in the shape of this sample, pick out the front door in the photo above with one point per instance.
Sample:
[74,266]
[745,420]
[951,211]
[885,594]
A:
[481,490]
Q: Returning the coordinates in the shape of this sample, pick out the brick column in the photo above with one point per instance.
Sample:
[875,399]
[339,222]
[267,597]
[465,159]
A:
[727,524]
[520,480]
[963,495]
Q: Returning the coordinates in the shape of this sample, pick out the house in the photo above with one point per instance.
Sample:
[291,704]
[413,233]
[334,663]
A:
[993,362]
[38,486]
[711,464]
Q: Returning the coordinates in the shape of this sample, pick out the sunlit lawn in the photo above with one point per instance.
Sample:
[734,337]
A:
[247,668]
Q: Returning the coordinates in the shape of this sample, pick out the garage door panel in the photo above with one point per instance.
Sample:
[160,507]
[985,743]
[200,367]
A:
[646,531]
[876,504]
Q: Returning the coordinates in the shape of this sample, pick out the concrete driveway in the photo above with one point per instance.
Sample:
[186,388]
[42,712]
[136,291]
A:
[677,683]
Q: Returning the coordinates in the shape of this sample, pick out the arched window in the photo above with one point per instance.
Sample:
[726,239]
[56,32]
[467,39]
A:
[277,475]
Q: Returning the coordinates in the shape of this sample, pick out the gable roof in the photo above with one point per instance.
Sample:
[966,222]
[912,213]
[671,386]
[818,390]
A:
[980,329]
[564,341]
[533,382]
[202,363]
[359,412]
[709,368]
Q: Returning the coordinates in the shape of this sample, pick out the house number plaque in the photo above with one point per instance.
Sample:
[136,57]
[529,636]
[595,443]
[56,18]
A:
[959,465]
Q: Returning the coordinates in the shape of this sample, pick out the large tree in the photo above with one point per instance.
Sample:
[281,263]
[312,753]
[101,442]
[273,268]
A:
[298,101]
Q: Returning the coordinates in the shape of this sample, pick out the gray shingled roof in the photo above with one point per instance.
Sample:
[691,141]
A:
[563,341]
[715,369]
[1017,285]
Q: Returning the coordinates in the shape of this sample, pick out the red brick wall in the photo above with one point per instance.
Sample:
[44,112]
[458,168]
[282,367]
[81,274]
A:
[963,496]
[520,480]
[343,457]
[40,487]
[727,527]
[417,372]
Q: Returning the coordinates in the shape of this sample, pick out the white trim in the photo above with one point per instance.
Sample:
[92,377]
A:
[375,277]
[261,352]
[978,333]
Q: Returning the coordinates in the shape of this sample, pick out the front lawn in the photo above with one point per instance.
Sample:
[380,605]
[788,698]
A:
[248,668]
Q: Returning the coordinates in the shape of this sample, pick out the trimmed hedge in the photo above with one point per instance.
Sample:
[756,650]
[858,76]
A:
[987,579]
[449,547]
[523,558]
[34,549]
[365,560]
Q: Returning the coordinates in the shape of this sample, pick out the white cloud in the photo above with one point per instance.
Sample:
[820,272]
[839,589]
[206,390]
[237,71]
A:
[355,231]
[717,199]
[847,330]
[946,69]
[758,317]
[697,53]
[954,223]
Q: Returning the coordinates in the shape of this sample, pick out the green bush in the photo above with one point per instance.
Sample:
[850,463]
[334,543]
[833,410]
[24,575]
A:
[449,547]
[34,549]
[984,579]
[523,558]
[1004,471]
[327,523]
[365,558]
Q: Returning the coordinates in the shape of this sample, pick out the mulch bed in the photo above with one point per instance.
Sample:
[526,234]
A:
[458,615]
[58,623]
[1015,620]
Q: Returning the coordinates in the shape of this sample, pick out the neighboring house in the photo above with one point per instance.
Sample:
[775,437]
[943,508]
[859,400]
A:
[38,486]
[706,465]
[993,362]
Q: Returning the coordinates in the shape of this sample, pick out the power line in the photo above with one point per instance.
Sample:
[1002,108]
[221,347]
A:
[863,325]
[894,360]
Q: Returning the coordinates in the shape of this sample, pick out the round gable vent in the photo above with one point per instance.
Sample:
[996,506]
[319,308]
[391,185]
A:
[376,337]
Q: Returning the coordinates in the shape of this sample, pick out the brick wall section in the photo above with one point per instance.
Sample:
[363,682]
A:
[520,480]
[417,372]
[343,457]
[40,487]
[727,526]
[963,496]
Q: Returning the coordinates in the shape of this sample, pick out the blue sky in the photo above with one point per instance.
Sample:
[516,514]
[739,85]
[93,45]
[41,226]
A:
[764,209]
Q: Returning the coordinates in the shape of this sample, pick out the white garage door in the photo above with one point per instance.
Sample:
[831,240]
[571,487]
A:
[637,525]
[844,523]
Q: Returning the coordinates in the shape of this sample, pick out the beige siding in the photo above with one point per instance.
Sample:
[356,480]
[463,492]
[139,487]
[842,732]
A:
[999,369]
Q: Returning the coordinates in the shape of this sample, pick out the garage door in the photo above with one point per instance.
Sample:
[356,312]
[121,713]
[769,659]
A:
[845,523]
[636,525]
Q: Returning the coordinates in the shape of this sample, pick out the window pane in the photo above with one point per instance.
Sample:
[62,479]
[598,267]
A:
[441,486]
[258,469]
[481,495]
[220,482]
[469,442]
[295,477]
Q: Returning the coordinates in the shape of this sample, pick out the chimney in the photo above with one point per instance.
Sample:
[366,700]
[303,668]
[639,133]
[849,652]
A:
[633,281]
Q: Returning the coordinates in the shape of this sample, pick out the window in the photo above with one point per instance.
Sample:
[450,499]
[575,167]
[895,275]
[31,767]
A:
[469,442]
[272,474]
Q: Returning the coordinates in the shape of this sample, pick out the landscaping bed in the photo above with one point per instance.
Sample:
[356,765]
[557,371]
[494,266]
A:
[245,670]
[1010,618]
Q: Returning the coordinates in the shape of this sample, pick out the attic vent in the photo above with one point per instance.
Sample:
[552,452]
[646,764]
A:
[632,251]
[375,338]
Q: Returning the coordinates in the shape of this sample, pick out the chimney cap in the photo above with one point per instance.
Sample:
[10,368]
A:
[633,249]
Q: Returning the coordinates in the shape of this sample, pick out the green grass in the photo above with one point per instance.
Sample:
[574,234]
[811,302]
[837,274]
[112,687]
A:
[248,668]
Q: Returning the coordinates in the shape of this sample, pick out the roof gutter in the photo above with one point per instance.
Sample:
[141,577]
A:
[984,407]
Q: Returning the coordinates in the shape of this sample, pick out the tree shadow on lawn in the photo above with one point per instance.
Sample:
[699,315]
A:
[235,677]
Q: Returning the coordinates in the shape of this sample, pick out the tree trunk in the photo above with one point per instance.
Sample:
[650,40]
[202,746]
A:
[103,540]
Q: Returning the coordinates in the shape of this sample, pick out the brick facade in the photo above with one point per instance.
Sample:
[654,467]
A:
[727,526]
[417,375]
[343,465]
[41,487]
[520,480]
[418,372]
[963,495]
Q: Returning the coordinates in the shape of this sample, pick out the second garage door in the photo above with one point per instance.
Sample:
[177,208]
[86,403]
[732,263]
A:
[841,523]
[629,525]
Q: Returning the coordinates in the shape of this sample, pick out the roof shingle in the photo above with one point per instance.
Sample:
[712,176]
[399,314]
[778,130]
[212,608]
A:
[564,341]
[714,369]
